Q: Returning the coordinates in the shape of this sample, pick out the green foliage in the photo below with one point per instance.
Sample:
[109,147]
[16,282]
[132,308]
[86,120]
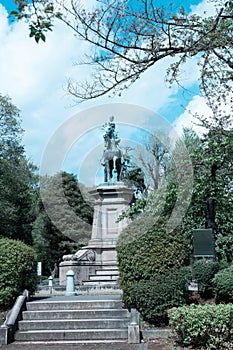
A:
[213,173]
[17,179]
[155,296]
[223,285]
[134,210]
[145,247]
[44,13]
[206,327]
[146,253]
[63,223]
[203,273]
[218,161]
[224,247]
[18,263]
[141,251]
[135,178]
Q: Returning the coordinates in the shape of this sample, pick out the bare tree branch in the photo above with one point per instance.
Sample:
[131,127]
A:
[129,39]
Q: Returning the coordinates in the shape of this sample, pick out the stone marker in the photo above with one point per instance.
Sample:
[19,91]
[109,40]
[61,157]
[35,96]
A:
[70,288]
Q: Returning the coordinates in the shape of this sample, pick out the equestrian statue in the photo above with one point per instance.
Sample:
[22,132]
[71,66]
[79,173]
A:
[112,159]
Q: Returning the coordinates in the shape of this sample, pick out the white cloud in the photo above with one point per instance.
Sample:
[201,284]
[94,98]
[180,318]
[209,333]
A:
[204,8]
[35,75]
[196,107]
[4,28]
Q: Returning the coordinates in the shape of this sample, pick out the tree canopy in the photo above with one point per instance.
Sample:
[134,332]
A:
[151,257]
[130,37]
[63,222]
[17,177]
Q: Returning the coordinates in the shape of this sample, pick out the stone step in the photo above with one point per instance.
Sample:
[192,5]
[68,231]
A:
[72,335]
[65,345]
[75,314]
[103,277]
[110,267]
[90,289]
[79,319]
[72,324]
[73,305]
[100,283]
[107,272]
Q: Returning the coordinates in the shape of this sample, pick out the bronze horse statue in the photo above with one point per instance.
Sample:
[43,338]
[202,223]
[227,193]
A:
[115,160]
[112,159]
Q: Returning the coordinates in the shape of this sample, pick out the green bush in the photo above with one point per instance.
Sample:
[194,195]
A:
[18,264]
[154,297]
[208,326]
[146,252]
[203,272]
[224,247]
[223,285]
[146,247]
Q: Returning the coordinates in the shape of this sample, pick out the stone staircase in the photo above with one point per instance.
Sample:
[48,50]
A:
[104,280]
[107,276]
[77,319]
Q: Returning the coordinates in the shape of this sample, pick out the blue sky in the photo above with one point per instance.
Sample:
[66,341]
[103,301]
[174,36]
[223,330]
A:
[35,77]
[8,4]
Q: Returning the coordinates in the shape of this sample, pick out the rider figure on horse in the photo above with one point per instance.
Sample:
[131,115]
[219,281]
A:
[110,132]
[112,153]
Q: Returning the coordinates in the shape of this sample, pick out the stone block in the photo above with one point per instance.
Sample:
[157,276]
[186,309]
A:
[133,334]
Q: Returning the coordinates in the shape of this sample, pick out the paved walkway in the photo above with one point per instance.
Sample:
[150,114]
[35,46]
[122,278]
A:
[97,346]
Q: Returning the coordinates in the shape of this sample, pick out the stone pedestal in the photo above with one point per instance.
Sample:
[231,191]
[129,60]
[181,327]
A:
[110,200]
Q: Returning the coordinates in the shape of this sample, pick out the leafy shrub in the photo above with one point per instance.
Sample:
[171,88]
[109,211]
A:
[224,247]
[154,297]
[17,270]
[208,326]
[145,247]
[223,285]
[203,272]
[146,252]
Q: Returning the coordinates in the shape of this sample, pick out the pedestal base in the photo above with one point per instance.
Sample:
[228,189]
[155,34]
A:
[110,201]
[82,270]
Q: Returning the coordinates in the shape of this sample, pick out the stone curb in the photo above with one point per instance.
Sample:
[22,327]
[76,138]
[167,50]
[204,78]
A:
[158,333]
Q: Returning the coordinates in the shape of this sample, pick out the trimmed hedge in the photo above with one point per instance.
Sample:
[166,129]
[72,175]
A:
[18,263]
[203,272]
[146,252]
[205,327]
[145,248]
[223,285]
[152,298]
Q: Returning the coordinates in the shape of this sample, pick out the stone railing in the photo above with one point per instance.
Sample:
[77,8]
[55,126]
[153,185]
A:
[10,325]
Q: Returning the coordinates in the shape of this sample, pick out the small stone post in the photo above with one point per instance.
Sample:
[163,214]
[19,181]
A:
[70,287]
[133,327]
[50,285]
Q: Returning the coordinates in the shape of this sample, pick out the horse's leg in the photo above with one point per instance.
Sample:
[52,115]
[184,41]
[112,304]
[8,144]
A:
[110,162]
[118,168]
[106,171]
